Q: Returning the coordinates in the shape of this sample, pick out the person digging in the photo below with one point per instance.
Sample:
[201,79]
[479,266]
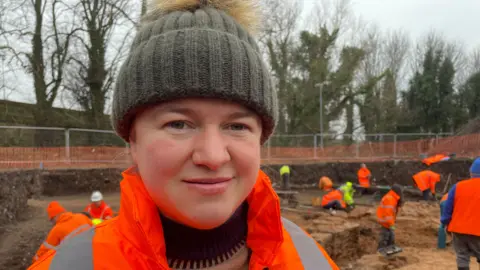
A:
[348,193]
[334,200]
[387,213]
[461,217]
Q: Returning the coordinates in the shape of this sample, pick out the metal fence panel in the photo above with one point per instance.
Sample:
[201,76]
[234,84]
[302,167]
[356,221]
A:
[36,147]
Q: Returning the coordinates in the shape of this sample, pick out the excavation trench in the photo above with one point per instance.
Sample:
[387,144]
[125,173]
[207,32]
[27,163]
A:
[352,239]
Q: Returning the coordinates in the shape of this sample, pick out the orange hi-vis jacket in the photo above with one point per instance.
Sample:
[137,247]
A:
[67,226]
[444,197]
[363,177]
[434,159]
[426,180]
[387,210]
[134,239]
[334,195]
[102,212]
[466,205]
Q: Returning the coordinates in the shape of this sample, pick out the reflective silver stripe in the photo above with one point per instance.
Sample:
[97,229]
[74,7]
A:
[79,229]
[310,255]
[387,206]
[48,245]
[75,254]
[385,219]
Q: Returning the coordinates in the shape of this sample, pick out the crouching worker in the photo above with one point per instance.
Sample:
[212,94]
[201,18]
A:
[325,183]
[333,200]
[348,192]
[387,213]
[461,215]
[98,209]
[66,226]
[195,102]
[426,181]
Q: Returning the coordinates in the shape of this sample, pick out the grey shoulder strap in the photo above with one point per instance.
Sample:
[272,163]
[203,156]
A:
[310,255]
[76,253]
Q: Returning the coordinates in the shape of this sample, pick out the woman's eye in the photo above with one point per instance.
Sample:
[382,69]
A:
[238,127]
[177,124]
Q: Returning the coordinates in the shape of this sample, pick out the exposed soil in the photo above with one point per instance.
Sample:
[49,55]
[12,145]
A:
[19,241]
[350,239]
[385,173]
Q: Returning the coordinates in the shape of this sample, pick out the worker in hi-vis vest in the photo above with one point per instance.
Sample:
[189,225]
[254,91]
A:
[66,225]
[285,175]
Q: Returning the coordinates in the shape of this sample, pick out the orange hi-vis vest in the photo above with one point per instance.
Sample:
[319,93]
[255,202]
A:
[444,197]
[363,175]
[102,212]
[67,226]
[334,195]
[387,210]
[134,239]
[426,180]
[466,205]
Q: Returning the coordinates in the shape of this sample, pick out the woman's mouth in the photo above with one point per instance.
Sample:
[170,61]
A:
[209,186]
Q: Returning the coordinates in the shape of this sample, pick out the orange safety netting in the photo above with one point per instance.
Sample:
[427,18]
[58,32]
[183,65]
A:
[467,146]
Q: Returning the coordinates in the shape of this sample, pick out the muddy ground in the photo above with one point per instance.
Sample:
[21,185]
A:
[350,239]
[20,241]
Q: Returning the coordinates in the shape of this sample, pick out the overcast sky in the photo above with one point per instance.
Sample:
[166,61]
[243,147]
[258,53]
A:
[456,19]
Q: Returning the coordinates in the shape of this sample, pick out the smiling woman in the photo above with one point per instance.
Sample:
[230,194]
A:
[195,103]
[206,150]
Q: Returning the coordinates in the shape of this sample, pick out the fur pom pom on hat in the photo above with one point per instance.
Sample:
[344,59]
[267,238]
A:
[245,13]
[195,49]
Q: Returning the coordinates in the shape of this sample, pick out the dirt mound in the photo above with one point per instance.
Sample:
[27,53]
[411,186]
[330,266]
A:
[16,188]
[352,239]
[410,259]
[71,182]
[21,240]
[345,237]
[386,173]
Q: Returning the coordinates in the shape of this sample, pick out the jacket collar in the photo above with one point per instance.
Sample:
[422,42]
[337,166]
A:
[140,223]
[394,195]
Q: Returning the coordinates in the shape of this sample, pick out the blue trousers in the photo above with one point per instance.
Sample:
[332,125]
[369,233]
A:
[426,194]
[334,204]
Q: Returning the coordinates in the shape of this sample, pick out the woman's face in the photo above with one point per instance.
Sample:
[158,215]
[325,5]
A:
[198,158]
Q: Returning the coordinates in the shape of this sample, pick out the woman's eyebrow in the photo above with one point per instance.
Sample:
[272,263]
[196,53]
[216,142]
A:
[174,109]
[241,114]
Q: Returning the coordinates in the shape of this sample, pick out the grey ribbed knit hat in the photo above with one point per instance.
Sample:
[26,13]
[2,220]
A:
[194,48]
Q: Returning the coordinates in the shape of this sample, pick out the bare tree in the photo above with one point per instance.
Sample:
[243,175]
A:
[47,27]
[396,46]
[474,60]
[144,8]
[332,15]
[279,28]
[106,29]
[431,40]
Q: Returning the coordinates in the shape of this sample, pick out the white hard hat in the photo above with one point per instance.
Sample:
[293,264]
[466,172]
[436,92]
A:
[96,196]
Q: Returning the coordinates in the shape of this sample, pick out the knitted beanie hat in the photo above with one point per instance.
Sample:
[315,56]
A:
[195,49]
